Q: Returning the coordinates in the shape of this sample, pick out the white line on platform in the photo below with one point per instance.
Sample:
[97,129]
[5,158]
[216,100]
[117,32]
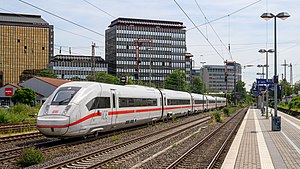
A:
[264,154]
[291,142]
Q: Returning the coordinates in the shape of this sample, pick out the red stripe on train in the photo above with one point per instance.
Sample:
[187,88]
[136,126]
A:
[111,113]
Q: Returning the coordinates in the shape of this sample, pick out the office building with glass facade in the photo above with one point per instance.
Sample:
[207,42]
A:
[26,42]
[214,76]
[77,67]
[161,48]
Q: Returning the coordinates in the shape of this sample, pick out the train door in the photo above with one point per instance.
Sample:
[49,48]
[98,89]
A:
[114,114]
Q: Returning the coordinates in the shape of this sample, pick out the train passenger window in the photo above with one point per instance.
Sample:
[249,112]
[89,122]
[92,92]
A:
[64,95]
[199,101]
[98,103]
[178,102]
[137,102]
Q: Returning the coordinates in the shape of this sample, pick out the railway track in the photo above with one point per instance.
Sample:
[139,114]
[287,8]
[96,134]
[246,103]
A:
[16,128]
[26,136]
[113,154]
[192,158]
[10,155]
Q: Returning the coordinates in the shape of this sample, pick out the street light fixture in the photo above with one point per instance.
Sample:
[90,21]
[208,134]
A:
[262,51]
[276,122]
[262,70]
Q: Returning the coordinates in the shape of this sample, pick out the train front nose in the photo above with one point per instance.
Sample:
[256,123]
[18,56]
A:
[53,125]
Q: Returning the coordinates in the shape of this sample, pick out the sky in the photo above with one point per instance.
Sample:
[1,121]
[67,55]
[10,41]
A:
[234,22]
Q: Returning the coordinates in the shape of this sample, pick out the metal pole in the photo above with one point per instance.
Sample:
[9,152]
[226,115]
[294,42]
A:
[202,83]
[275,69]
[267,87]
[93,61]
[291,74]
[285,69]
[234,85]
[226,83]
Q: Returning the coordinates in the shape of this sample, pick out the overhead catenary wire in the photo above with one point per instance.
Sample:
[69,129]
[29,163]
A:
[99,8]
[83,27]
[222,17]
[199,30]
[213,29]
[56,27]
[77,34]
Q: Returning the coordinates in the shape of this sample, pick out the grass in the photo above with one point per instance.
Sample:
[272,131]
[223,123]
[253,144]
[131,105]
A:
[226,112]
[174,119]
[30,156]
[115,138]
[217,117]
[17,113]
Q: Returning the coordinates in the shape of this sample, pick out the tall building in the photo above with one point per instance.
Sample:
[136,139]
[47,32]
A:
[26,42]
[214,76]
[76,66]
[148,50]
[188,67]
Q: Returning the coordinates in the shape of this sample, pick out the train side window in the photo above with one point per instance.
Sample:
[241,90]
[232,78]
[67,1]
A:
[178,102]
[98,102]
[137,102]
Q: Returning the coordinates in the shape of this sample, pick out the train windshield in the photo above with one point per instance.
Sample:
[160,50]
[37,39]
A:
[64,95]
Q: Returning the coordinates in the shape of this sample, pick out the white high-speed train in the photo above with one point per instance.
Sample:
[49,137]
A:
[85,108]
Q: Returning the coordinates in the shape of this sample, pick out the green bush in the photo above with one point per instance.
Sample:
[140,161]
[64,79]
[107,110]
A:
[295,103]
[3,116]
[217,117]
[226,111]
[17,113]
[31,156]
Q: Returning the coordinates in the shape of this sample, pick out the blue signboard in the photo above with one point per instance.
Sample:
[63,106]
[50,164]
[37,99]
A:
[271,88]
[264,81]
[260,88]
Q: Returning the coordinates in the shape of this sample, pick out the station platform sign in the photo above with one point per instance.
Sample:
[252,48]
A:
[264,81]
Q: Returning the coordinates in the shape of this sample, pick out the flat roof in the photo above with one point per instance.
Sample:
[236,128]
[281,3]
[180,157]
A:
[147,22]
[27,19]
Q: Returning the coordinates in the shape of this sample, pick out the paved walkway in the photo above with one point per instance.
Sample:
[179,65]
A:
[256,146]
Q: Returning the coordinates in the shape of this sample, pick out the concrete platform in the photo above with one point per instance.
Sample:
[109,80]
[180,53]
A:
[256,146]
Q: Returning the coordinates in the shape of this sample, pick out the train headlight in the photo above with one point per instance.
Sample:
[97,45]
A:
[66,109]
[46,109]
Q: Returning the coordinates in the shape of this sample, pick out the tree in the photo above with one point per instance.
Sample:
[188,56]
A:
[25,96]
[286,87]
[296,87]
[176,81]
[241,93]
[197,86]
[46,73]
[103,77]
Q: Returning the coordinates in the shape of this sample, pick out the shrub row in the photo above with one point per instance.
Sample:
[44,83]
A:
[17,113]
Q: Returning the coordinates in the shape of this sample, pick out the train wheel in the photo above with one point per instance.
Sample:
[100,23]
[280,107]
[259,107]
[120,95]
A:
[85,137]
[96,134]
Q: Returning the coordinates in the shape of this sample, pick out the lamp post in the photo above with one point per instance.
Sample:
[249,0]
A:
[267,74]
[276,122]
[263,96]
[202,63]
